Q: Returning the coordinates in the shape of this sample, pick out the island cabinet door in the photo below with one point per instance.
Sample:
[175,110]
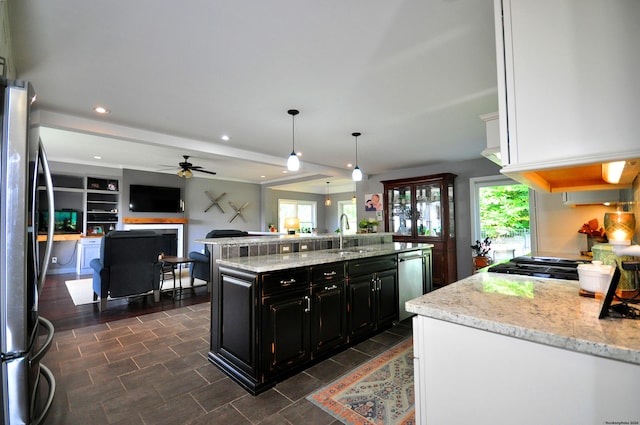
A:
[234,321]
[386,297]
[361,310]
[329,321]
[285,327]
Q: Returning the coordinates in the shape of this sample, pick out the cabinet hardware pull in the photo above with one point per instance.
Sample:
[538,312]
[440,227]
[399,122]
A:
[330,288]
[287,282]
[308,300]
[332,273]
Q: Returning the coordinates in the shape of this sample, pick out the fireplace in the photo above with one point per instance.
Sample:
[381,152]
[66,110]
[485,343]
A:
[172,231]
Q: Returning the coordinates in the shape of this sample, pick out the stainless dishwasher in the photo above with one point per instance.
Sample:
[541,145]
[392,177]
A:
[414,277]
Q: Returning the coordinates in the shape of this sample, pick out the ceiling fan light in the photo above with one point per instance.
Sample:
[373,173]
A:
[180,173]
[293,163]
[356,175]
[188,174]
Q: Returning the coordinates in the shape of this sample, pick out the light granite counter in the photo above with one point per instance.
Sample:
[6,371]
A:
[267,263]
[546,311]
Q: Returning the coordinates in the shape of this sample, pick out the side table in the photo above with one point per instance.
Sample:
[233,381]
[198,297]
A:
[176,262]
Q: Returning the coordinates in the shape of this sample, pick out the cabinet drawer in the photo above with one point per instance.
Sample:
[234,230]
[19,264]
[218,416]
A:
[372,264]
[327,272]
[90,241]
[285,280]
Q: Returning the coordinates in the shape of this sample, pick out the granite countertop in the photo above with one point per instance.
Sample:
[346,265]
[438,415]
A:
[267,263]
[262,237]
[546,311]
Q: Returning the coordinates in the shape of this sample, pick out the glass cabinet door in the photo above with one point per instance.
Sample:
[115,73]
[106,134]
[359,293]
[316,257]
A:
[399,210]
[428,214]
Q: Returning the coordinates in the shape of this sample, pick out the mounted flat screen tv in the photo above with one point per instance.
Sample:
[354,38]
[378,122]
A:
[154,199]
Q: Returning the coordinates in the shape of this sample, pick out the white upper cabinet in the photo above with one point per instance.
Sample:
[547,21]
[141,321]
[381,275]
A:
[569,88]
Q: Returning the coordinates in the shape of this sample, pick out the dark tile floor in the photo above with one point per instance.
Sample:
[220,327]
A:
[153,369]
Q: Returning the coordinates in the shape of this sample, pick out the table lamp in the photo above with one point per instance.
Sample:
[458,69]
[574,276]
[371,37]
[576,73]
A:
[619,227]
[291,224]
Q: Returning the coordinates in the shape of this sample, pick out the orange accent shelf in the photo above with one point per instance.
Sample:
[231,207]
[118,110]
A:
[61,237]
[148,220]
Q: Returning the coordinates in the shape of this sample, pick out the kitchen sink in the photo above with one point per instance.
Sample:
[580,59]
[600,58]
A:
[348,251]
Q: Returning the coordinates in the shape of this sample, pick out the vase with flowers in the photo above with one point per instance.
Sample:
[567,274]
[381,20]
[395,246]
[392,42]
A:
[480,251]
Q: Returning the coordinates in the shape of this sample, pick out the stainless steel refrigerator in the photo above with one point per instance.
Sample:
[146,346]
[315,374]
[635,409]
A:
[27,385]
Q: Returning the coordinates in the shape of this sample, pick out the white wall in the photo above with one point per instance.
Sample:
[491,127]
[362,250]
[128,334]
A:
[200,222]
[557,225]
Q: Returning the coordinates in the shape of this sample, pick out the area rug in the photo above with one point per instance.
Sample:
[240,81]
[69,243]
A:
[81,290]
[378,392]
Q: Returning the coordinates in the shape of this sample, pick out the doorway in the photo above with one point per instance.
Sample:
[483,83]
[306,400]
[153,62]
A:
[503,211]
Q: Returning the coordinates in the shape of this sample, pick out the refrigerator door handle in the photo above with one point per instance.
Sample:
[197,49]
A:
[46,373]
[49,186]
[45,346]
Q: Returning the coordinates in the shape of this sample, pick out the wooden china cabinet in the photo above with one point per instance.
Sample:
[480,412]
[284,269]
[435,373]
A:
[421,209]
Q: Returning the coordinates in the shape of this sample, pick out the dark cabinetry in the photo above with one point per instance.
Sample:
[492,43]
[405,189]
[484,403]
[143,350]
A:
[422,209]
[328,307]
[286,307]
[266,326]
[373,294]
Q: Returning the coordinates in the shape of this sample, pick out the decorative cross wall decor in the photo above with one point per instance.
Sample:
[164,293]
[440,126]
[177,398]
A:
[238,211]
[214,201]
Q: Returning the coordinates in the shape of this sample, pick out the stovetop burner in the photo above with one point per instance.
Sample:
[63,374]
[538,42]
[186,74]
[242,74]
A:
[549,267]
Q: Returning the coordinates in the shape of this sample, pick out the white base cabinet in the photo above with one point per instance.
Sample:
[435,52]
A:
[469,376]
[88,249]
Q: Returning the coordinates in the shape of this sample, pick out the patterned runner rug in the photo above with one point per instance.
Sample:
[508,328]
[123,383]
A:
[378,392]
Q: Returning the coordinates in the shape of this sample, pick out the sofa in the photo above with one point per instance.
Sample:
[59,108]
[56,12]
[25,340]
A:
[128,265]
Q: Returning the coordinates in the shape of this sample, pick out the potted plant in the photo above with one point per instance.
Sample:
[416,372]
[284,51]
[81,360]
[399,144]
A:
[480,251]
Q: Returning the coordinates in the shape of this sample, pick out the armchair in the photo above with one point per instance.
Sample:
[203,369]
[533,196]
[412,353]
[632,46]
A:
[200,268]
[128,265]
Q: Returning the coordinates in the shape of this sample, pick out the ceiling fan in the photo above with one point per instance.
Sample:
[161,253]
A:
[186,168]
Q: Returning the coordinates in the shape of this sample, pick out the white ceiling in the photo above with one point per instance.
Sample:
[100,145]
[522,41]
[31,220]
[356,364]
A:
[413,76]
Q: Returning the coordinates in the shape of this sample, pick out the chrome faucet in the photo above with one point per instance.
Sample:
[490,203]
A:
[341,229]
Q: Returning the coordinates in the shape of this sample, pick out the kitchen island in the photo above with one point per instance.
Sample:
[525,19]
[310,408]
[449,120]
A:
[281,304]
[518,349]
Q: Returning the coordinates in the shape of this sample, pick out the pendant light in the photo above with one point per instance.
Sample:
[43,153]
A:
[327,199]
[357,174]
[293,163]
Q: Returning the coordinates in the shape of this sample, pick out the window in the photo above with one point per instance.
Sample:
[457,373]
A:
[351,210]
[502,211]
[304,210]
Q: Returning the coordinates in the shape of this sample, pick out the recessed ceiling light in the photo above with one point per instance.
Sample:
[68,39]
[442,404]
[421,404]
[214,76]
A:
[97,157]
[225,137]
[101,110]
[349,165]
[285,171]
[263,177]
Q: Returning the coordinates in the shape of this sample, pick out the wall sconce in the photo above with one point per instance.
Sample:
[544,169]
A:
[291,224]
[619,227]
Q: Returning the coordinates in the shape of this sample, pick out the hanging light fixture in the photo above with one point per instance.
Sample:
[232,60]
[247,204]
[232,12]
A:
[327,199]
[293,163]
[353,198]
[357,174]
